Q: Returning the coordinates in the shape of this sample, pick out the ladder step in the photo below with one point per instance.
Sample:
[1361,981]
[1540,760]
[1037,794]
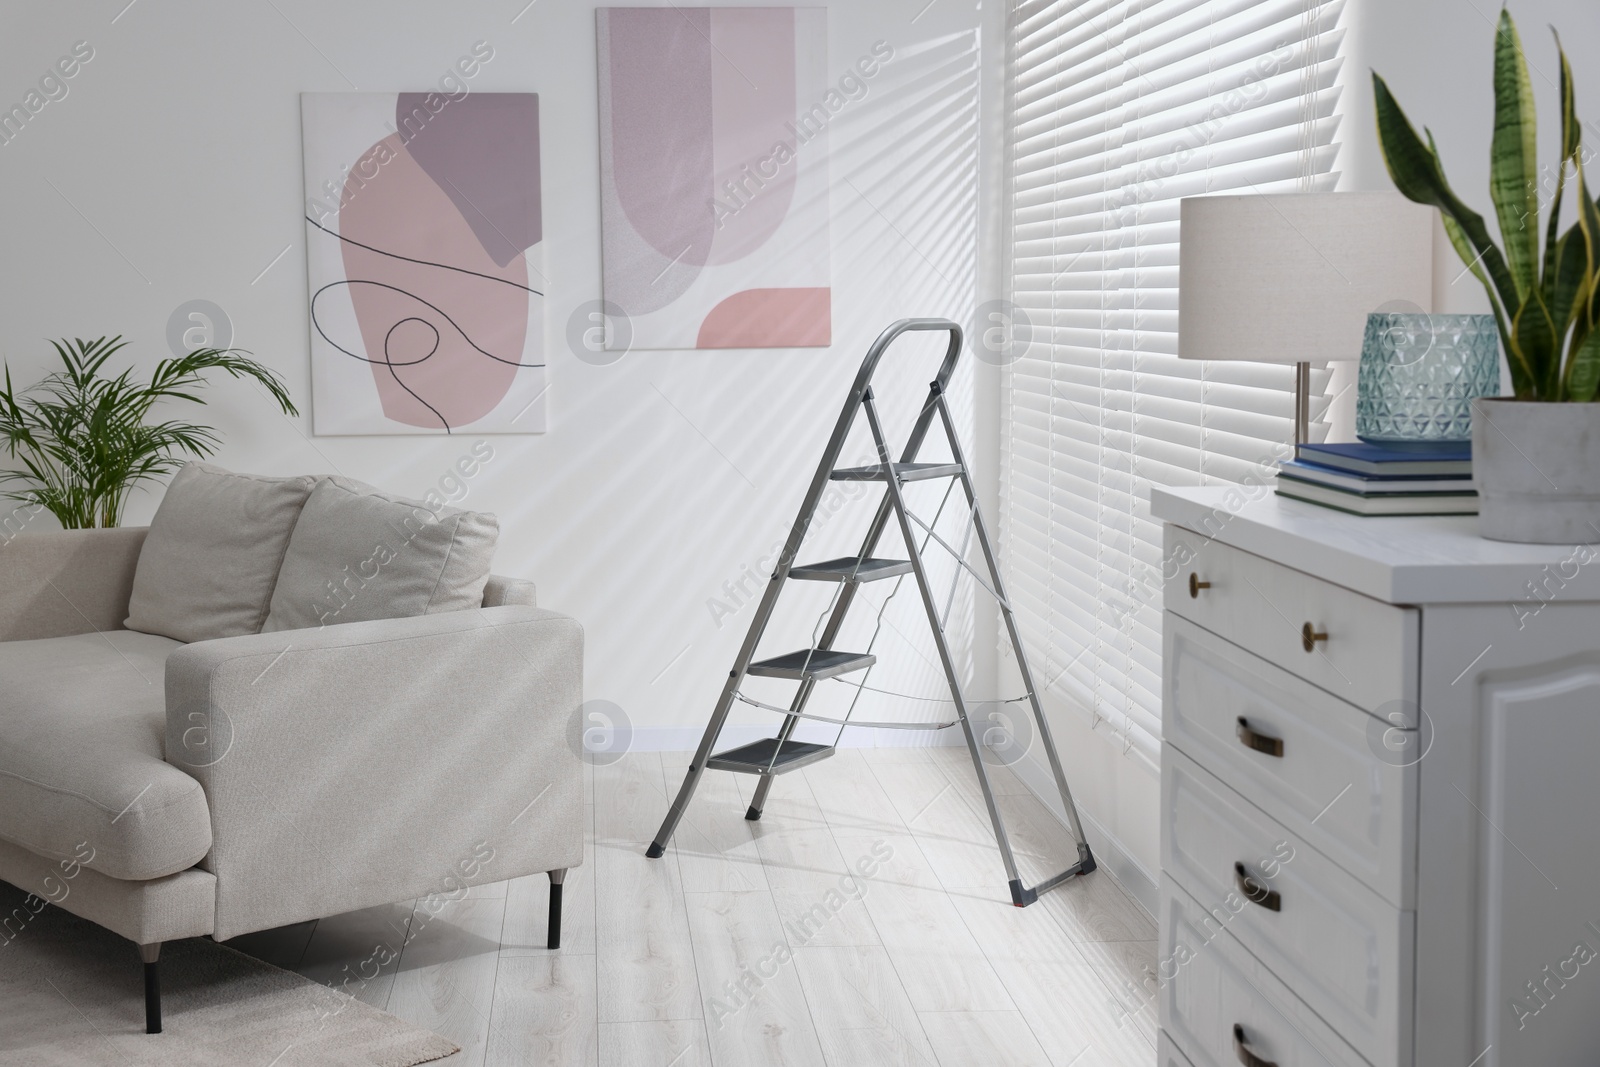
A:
[811,664]
[754,757]
[905,472]
[851,569]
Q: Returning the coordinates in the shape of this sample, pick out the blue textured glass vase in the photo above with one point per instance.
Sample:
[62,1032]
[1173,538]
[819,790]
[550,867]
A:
[1420,373]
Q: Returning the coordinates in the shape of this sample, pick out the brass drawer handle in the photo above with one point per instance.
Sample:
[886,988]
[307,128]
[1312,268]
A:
[1254,891]
[1246,1054]
[1309,636]
[1272,746]
[1195,585]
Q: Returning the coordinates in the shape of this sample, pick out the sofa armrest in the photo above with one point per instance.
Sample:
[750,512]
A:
[372,762]
[63,582]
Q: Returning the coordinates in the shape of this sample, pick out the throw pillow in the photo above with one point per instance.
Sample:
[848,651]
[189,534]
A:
[358,554]
[211,559]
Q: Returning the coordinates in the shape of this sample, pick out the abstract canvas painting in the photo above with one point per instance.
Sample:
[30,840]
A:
[424,257]
[714,175]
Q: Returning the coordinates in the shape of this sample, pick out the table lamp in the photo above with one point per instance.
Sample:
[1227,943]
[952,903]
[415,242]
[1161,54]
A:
[1291,277]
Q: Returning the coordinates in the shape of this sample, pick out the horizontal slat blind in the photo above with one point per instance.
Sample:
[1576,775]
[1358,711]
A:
[1119,109]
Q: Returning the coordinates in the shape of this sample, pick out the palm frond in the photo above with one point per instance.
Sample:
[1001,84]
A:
[82,439]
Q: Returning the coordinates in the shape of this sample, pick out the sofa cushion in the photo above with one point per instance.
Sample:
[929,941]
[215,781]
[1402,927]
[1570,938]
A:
[358,555]
[82,723]
[211,559]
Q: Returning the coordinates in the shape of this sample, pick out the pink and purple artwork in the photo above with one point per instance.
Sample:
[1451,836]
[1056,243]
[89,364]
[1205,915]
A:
[424,257]
[713,172]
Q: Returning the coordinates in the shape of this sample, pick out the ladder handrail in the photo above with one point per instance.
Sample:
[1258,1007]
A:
[869,365]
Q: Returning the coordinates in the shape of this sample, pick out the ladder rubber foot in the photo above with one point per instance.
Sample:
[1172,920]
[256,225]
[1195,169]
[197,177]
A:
[655,851]
[1021,895]
[1086,861]
[753,814]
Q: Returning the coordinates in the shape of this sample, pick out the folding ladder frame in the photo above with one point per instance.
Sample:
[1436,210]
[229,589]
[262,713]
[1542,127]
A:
[773,756]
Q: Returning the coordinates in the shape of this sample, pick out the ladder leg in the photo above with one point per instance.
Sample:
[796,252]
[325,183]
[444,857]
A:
[897,503]
[759,801]
[686,792]
[1085,857]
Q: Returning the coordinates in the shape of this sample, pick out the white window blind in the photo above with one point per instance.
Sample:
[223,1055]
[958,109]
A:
[1119,108]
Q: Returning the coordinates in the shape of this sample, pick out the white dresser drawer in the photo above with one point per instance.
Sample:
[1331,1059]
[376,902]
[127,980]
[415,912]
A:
[1167,1052]
[1346,951]
[1369,653]
[1216,986]
[1292,749]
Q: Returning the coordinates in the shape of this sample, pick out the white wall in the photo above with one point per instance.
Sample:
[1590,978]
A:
[172,171]
[1437,57]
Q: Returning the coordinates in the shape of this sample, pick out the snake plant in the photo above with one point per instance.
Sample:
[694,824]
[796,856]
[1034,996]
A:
[1547,303]
[82,439]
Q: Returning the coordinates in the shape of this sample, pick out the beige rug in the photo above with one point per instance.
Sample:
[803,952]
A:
[72,994]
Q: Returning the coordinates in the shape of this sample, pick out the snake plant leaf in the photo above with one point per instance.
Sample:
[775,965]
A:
[1567,285]
[1513,154]
[1533,339]
[1416,173]
[1571,142]
[1520,376]
[1571,131]
[1589,223]
[1583,368]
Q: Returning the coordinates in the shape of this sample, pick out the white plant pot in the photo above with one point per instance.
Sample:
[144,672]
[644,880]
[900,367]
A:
[1537,471]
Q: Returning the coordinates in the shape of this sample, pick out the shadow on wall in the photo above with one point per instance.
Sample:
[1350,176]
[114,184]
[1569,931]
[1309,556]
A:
[714,449]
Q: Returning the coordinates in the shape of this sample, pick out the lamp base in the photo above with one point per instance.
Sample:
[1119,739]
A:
[1302,406]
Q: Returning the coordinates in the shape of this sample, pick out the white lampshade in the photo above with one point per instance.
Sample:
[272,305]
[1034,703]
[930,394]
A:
[1290,278]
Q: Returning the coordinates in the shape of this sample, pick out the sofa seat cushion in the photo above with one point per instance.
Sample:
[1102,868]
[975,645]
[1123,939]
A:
[82,728]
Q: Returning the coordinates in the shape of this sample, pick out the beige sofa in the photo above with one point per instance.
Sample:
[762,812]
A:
[168,790]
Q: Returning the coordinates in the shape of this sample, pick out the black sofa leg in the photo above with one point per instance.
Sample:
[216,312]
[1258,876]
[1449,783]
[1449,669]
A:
[151,955]
[556,878]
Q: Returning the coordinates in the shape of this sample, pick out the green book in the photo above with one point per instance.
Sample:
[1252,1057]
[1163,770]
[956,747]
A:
[1386,504]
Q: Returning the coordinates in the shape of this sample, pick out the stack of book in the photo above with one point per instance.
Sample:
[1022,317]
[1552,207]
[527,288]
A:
[1369,479]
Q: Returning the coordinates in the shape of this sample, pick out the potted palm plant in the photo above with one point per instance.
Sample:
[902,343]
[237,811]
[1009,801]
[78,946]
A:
[1536,455]
[82,438]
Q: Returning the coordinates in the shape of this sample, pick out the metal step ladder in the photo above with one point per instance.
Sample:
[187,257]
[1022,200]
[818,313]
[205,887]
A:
[779,755]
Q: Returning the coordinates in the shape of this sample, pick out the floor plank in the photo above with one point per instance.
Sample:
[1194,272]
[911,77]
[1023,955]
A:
[817,893]
[849,796]
[1129,969]
[446,978]
[1096,908]
[860,1008]
[956,762]
[358,952]
[754,1006]
[1074,1015]
[715,844]
[544,1013]
[932,967]
[671,1043]
[940,965]
[983,1038]
[646,961]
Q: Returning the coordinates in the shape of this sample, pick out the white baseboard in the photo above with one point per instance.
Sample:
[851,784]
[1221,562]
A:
[1109,853]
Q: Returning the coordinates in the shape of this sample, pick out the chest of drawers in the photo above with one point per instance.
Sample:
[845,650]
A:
[1380,791]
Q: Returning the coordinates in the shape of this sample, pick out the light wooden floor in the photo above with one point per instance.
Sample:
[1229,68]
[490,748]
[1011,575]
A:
[930,966]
